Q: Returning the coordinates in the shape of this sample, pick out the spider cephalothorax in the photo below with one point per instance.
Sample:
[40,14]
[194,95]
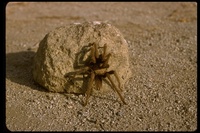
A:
[96,69]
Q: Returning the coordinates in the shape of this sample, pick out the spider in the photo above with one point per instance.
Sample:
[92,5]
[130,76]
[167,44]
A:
[96,69]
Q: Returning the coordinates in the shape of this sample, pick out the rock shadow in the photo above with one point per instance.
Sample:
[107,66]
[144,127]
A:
[19,69]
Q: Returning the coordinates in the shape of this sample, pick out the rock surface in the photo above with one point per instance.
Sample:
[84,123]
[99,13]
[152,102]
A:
[66,49]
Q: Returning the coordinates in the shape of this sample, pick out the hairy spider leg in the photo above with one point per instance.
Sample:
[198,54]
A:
[93,54]
[89,90]
[117,77]
[81,71]
[72,74]
[114,86]
[105,63]
[104,52]
[105,57]
[96,51]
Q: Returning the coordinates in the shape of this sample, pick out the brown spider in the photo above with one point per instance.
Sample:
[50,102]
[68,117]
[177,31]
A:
[96,69]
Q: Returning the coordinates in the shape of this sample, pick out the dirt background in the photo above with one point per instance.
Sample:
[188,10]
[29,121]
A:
[161,94]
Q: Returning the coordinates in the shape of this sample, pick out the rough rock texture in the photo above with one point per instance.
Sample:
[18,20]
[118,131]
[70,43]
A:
[66,49]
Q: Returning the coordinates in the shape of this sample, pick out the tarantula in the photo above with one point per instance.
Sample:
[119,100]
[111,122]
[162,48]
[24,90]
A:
[96,69]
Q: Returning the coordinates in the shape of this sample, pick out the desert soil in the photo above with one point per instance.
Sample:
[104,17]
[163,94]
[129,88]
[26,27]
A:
[161,94]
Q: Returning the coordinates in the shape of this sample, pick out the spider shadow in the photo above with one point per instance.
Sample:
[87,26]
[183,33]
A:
[81,59]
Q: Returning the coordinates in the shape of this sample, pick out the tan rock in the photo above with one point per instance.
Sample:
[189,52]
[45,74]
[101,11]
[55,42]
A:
[65,50]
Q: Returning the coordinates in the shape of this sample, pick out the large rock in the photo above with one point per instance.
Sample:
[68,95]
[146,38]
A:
[66,49]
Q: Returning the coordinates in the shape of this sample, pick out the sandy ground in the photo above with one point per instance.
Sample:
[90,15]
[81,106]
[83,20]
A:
[161,94]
